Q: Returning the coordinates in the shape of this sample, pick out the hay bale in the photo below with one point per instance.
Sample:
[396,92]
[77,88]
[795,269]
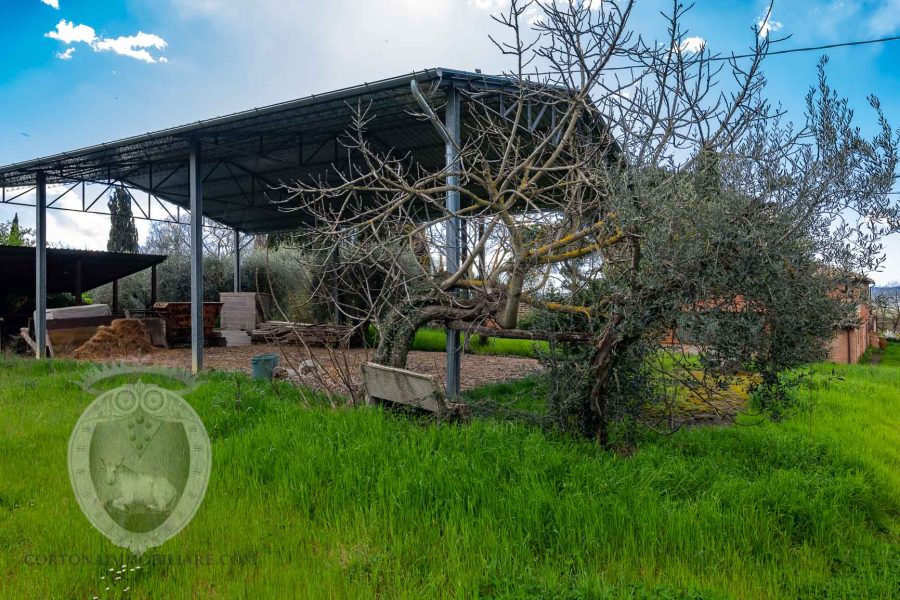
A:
[124,337]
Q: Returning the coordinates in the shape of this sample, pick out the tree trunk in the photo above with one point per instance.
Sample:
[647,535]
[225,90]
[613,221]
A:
[401,325]
[509,316]
[601,366]
[396,337]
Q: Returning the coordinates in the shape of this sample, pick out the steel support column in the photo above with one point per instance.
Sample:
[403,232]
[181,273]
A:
[196,193]
[40,265]
[336,285]
[77,291]
[481,261]
[452,119]
[152,286]
[237,260]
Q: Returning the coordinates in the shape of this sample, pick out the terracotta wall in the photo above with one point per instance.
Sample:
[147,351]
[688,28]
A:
[849,344]
[839,350]
[873,340]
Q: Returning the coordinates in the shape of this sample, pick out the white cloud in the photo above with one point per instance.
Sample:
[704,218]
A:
[532,14]
[886,18]
[836,20]
[53,3]
[69,33]
[494,6]
[767,25]
[692,44]
[134,46]
[491,6]
[65,55]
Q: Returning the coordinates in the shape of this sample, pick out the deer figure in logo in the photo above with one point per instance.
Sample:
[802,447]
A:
[137,492]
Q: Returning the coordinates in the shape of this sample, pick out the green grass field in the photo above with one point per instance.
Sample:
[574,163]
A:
[312,502]
[891,356]
[429,339]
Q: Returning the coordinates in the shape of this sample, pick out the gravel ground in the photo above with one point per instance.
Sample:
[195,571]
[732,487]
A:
[477,370]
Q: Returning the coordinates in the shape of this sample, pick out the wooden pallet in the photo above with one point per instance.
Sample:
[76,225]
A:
[244,310]
[399,386]
[311,334]
[403,387]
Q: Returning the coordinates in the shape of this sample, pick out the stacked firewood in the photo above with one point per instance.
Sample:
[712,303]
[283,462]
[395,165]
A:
[311,334]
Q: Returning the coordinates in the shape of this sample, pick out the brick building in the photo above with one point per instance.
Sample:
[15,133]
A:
[853,339]
[850,341]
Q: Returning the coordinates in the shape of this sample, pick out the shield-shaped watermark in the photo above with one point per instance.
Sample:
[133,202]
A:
[139,461]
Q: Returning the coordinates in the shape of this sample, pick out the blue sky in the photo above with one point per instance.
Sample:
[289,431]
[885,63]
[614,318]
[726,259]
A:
[140,65]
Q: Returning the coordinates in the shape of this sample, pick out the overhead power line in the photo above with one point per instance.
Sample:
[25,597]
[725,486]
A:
[892,38]
[723,57]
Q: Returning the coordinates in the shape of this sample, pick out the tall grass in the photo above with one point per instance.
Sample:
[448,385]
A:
[890,357]
[359,503]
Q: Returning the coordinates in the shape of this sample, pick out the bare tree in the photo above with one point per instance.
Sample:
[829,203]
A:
[626,188]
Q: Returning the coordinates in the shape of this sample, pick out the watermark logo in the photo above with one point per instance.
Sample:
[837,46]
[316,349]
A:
[139,459]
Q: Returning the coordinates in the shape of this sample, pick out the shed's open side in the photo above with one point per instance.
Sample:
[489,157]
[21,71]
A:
[228,168]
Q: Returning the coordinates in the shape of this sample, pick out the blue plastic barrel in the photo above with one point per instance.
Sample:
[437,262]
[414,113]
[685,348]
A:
[262,365]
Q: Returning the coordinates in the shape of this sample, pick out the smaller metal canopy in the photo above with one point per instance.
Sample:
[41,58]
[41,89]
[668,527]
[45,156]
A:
[96,269]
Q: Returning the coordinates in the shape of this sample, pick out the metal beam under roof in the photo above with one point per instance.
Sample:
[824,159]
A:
[246,155]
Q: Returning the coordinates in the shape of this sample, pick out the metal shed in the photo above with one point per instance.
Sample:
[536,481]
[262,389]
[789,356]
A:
[70,271]
[227,168]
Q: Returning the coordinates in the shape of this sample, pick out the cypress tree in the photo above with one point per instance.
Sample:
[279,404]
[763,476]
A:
[123,234]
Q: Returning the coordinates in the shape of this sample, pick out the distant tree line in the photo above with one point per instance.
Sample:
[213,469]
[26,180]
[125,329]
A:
[886,301]
[263,269]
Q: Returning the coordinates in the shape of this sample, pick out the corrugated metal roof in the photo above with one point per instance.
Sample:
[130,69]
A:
[247,154]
